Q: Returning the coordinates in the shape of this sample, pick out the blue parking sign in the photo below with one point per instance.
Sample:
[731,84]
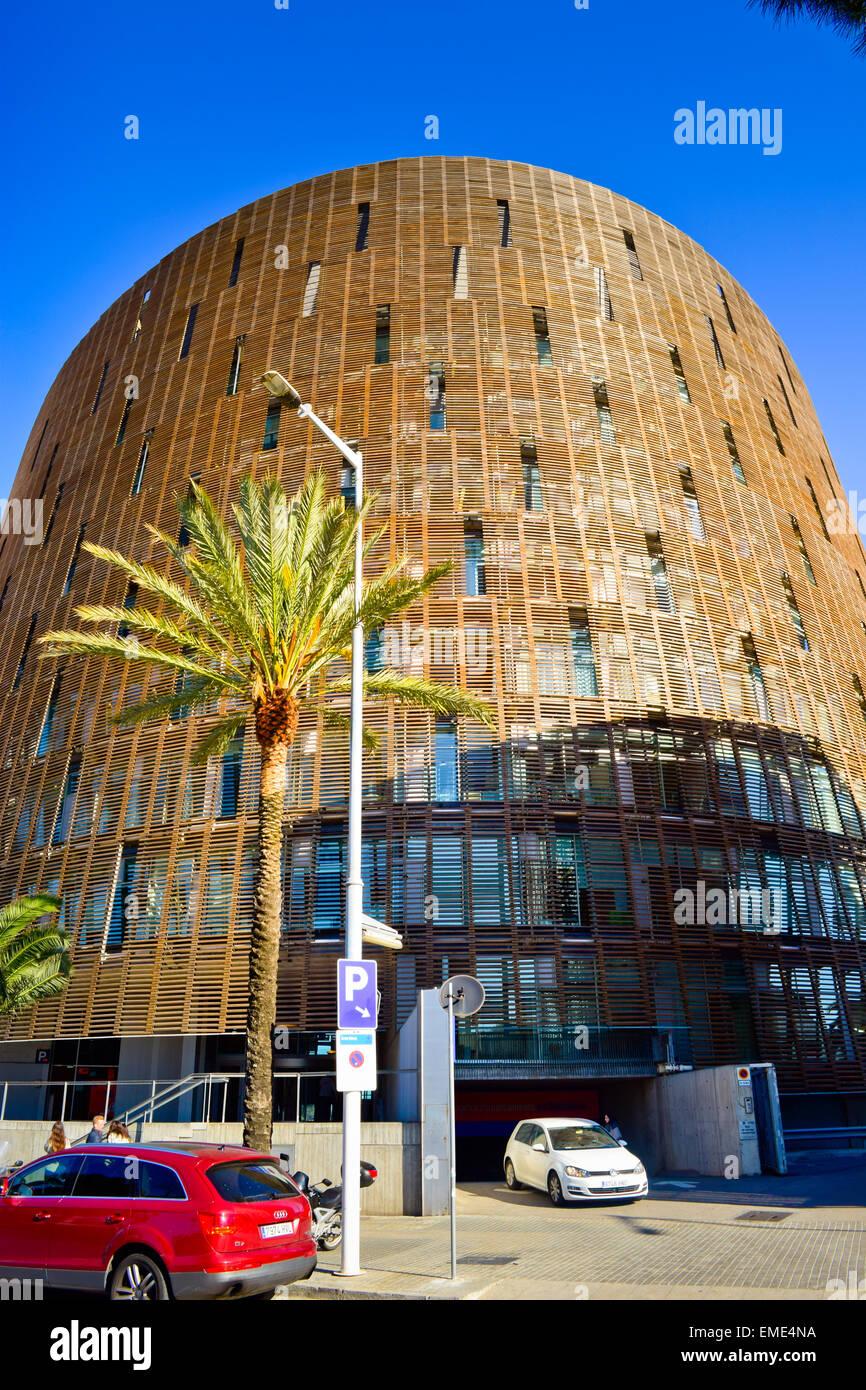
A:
[357,998]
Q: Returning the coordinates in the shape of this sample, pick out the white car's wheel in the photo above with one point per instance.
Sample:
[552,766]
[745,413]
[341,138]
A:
[511,1177]
[554,1190]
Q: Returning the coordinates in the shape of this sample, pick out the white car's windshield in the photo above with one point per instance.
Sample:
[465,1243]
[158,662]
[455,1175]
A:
[581,1137]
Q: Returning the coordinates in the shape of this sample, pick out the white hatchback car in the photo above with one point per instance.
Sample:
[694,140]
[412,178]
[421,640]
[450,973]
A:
[572,1161]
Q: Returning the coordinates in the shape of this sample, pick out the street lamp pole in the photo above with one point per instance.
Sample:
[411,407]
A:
[351,1244]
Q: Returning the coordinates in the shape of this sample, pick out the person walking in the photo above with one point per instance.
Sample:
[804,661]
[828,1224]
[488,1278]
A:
[56,1141]
[118,1133]
[96,1136]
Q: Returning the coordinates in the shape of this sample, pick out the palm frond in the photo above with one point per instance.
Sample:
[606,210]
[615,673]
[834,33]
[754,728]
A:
[217,739]
[339,719]
[448,701]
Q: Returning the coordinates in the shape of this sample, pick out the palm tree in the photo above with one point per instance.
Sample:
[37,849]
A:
[258,628]
[847,17]
[34,955]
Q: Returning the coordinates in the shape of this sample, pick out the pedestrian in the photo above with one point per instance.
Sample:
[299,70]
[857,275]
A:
[118,1133]
[613,1129]
[56,1141]
[95,1136]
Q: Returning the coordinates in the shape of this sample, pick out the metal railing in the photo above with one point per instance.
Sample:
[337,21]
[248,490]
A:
[577,1051]
[208,1093]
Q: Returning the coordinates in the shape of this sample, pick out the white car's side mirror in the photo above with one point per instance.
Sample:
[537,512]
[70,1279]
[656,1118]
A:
[540,1147]
[623,1144]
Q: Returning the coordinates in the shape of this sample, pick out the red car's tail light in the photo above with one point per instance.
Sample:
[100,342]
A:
[220,1230]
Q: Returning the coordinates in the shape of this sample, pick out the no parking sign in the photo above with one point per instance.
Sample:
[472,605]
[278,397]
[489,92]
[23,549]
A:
[356,1061]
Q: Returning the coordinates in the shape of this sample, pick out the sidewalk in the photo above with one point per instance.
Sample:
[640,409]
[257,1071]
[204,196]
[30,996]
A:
[693,1242]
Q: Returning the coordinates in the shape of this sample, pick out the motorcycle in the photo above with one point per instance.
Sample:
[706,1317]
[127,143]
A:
[326,1202]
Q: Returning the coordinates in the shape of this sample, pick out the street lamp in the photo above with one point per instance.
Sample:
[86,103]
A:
[351,1262]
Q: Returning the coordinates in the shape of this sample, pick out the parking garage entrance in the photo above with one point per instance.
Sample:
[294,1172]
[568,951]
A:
[485,1115]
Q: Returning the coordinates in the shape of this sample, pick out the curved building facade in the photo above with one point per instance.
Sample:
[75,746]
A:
[661,852]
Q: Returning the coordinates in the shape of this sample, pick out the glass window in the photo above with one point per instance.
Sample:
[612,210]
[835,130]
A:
[230,777]
[251,1182]
[272,425]
[542,336]
[605,308]
[236,261]
[311,291]
[723,297]
[383,334]
[602,406]
[446,784]
[138,477]
[473,545]
[715,342]
[532,499]
[235,368]
[504,215]
[733,453]
[158,1181]
[693,510]
[106,1175]
[436,395]
[94,407]
[53,1177]
[362,230]
[583,657]
[634,263]
[772,424]
[679,375]
[187,332]
[460,273]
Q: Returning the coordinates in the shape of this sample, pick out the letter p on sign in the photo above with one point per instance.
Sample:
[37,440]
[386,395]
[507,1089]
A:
[356,994]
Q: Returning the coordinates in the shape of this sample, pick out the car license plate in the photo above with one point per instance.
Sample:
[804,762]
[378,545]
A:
[614,1182]
[278,1228]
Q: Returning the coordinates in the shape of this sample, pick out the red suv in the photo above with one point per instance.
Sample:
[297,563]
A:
[156,1221]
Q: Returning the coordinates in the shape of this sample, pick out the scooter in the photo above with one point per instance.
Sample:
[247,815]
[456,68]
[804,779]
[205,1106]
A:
[326,1201]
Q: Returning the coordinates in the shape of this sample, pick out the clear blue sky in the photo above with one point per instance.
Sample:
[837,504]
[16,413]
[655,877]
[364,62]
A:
[236,100]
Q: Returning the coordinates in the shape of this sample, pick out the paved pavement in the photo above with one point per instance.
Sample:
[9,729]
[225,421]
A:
[691,1238]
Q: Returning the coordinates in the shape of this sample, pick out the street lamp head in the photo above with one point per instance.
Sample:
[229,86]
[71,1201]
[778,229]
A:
[279,387]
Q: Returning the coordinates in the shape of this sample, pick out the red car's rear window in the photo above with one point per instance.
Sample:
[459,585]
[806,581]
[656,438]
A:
[251,1182]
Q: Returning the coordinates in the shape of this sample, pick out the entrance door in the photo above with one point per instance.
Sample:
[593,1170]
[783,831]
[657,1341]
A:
[768,1120]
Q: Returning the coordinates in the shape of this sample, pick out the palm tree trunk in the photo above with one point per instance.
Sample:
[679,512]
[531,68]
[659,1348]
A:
[265,950]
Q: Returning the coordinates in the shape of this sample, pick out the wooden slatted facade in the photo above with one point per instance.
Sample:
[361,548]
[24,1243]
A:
[682,500]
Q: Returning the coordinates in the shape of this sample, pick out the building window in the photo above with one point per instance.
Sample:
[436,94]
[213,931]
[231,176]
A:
[717,349]
[39,445]
[230,778]
[272,424]
[96,398]
[362,229]
[311,291]
[47,472]
[121,429]
[183,533]
[659,572]
[445,761]
[756,677]
[542,336]
[130,600]
[9,581]
[347,484]
[136,332]
[634,263]
[138,476]
[49,528]
[786,400]
[723,297]
[73,563]
[235,368]
[857,572]
[383,334]
[374,651]
[473,550]
[804,554]
[63,824]
[679,374]
[733,453]
[605,308]
[583,657]
[24,650]
[772,425]
[816,504]
[602,406]
[532,499]
[187,332]
[50,713]
[236,261]
[693,510]
[787,371]
[123,907]
[459,273]
[504,214]
[861,698]
[436,395]
[794,609]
